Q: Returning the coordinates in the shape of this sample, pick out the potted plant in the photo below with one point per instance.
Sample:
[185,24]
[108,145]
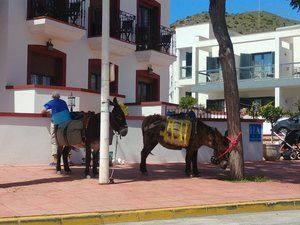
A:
[271,114]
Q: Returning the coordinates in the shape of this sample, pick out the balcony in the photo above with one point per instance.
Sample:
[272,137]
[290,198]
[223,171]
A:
[155,48]
[185,72]
[58,19]
[31,98]
[243,73]
[249,78]
[122,32]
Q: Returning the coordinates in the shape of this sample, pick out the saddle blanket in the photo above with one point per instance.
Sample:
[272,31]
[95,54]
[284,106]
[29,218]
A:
[177,132]
[70,133]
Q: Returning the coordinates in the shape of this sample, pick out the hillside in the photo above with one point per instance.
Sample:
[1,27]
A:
[244,23]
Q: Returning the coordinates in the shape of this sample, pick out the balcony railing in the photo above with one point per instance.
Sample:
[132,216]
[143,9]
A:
[148,39]
[122,28]
[290,70]
[243,73]
[71,11]
[185,72]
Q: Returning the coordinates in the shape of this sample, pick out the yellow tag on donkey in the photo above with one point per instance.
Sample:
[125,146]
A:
[177,132]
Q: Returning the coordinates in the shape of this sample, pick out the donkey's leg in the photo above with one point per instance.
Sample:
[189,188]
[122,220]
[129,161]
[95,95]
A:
[188,161]
[95,162]
[195,162]
[87,160]
[66,150]
[59,153]
[149,144]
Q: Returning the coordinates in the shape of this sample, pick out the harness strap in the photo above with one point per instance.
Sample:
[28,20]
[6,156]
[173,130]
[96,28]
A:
[233,142]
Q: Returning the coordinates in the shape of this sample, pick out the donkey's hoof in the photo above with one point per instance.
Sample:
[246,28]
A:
[68,171]
[144,173]
[196,174]
[58,172]
[88,176]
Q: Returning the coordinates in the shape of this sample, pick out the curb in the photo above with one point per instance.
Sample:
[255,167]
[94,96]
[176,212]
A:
[98,218]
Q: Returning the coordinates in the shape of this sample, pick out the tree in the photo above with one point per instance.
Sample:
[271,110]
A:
[187,102]
[271,114]
[295,4]
[231,94]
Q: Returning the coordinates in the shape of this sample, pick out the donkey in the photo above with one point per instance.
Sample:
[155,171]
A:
[118,124]
[202,134]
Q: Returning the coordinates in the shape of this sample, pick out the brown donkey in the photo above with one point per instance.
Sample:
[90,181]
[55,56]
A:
[202,134]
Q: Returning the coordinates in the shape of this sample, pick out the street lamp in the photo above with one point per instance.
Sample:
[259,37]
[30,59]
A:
[71,101]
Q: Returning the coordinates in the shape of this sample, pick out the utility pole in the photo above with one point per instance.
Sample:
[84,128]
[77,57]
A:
[104,126]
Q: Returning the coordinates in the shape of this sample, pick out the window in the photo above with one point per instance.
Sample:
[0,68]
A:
[46,67]
[148,24]
[188,58]
[147,86]
[95,77]
[188,93]
[215,105]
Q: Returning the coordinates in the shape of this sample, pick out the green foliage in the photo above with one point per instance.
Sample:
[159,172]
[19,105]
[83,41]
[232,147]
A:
[244,23]
[295,4]
[297,104]
[271,113]
[187,102]
[124,108]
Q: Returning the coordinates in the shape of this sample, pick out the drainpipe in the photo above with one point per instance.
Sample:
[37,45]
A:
[104,122]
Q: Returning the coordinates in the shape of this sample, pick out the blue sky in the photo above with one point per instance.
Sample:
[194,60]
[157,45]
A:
[182,8]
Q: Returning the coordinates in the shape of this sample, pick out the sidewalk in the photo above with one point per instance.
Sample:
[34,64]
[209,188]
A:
[38,190]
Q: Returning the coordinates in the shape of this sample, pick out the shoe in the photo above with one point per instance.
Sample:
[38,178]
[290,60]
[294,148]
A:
[52,164]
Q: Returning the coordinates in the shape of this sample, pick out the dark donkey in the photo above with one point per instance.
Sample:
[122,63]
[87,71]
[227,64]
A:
[118,124]
[202,134]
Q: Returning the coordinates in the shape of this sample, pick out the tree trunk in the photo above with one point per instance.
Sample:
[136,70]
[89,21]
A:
[231,94]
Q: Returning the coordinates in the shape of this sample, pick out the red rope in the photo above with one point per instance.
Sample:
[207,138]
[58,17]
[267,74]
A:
[233,142]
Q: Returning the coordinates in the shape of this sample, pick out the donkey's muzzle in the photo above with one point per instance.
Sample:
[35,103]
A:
[124,131]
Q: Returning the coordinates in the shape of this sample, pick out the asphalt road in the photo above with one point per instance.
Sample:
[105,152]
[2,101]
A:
[266,218]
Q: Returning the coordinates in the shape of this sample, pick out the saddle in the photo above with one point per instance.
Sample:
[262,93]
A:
[177,132]
[72,133]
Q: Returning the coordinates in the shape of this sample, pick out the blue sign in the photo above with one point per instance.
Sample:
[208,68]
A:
[255,132]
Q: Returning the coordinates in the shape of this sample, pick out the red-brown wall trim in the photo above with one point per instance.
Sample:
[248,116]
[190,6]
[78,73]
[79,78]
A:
[157,103]
[129,117]
[41,49]
[144,73]
[33,86]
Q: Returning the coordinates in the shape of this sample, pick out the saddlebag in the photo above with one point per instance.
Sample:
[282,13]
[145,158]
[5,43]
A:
[70,133]
[177,132]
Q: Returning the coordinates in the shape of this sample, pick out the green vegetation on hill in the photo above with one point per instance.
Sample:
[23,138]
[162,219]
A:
[244,23]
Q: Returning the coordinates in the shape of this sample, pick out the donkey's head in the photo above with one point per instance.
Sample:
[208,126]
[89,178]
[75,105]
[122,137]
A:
[117,118]
[219,143]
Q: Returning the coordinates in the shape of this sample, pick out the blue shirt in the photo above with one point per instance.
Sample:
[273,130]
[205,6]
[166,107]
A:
[59,111]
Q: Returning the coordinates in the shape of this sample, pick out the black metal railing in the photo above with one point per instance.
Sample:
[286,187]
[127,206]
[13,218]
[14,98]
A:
[121,27]
[70,11]
[152,39]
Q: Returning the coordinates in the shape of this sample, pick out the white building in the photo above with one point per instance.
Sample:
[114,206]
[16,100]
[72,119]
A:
[49,45]
[268,66]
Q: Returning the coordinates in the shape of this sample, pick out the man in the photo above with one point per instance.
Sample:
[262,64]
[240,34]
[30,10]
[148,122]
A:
[59,114]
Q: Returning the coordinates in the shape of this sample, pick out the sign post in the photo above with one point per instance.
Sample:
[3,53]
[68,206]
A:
[104,126]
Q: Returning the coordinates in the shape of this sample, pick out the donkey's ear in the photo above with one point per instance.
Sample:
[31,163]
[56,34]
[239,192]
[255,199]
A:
[110,102]
[226,133]
[115,101]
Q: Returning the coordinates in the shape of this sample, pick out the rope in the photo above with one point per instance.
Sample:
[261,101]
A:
[111,179]
[233,142]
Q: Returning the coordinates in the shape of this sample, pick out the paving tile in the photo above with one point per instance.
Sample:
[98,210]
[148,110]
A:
[38,190]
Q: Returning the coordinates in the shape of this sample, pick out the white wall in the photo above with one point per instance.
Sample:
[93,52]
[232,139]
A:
[15,36]
[31,143]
